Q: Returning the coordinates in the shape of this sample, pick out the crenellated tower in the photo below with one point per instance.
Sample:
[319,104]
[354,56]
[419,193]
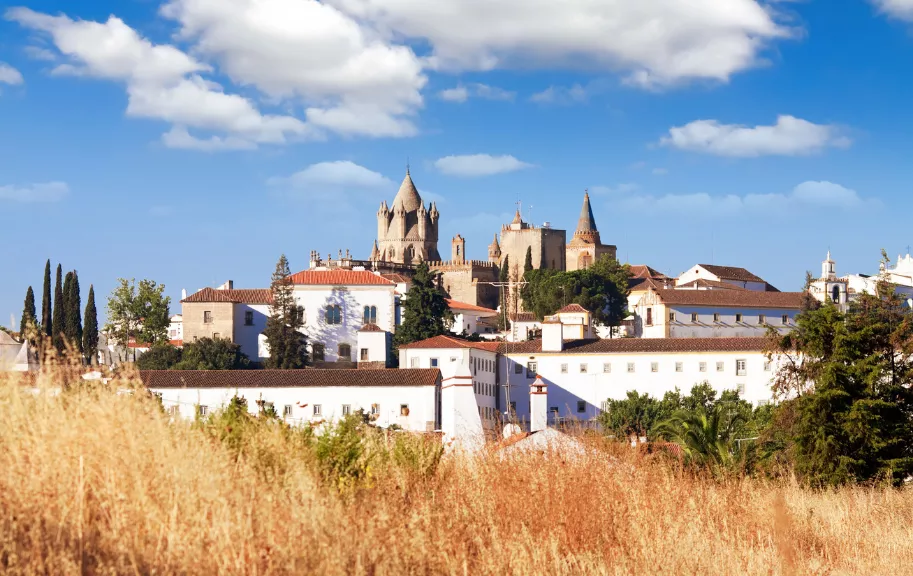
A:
[407,231]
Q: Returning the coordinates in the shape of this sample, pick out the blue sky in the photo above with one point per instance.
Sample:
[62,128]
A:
[193,141]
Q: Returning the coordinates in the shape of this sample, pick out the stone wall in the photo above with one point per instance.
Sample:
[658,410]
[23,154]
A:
[222,320]
[548,247]
[468,282]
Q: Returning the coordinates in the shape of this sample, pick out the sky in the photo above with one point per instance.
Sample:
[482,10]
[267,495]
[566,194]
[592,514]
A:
[194,141]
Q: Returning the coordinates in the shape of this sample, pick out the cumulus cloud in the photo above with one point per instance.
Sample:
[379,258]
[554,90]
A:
[462,93]
[561,95]
[655,42]
[178,137]
[9,75]
[472,165]
[39,53]
[340,174]
[790,136]
[902,9]
[47,192]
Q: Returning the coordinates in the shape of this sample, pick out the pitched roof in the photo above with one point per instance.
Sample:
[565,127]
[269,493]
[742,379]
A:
[586,222]
[307,378]
[371,328]
[448,342]
[633,345]
[454,305]
[407,196]
[237,296]
[339,278]
[576,308]
[702,283]
[523,317]
[731,298]
[397,278]
[731,273]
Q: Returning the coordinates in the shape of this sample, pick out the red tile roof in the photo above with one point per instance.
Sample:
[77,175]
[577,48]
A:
[731,273]
[398,278]
[702,283]
[237,296]
[454,305]
[572,308]
[523,317]
[371,328]
[631,345]
[732,298]
[448,342]
[339,278]
[644,271]
[307,378]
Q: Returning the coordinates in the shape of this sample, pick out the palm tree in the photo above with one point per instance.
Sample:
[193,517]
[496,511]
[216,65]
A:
[705,438]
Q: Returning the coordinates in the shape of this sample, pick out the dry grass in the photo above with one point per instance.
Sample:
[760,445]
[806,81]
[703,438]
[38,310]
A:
[99,483]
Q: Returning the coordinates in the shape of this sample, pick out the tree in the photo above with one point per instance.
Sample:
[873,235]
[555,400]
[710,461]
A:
[46,327]
[160,357]
[154,309]
[28,326]
[58,323]
[138,313]
[211,354]
[425,310]
[504,279]
[634,416]
[705,437]
[528,263]
[90,333]
[848,414]
[73,320]
[287,345]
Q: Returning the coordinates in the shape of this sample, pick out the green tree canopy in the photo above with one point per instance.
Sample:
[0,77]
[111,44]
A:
[159,357]
[46,325]
[72,313]
[90,333]
[425,310]
[212,354]
[28,325]
[528,262]
[287,345]
[138,313]
[58,328]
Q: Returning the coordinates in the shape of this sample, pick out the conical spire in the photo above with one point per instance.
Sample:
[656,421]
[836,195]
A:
[407,197]
[517,218]
[494,243]
[586,224]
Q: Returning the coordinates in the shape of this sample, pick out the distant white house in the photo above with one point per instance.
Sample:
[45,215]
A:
[471,319]
[731,275]
[16,356]
[842,290]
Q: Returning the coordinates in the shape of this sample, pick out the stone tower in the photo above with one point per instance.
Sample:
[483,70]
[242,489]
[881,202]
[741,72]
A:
[586,246]
[407,232]
[494,251]
[458,249]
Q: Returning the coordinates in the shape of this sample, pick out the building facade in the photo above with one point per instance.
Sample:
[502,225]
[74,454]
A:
[238,315]
[546,243]
[586,247]
[407,231]
[730,275]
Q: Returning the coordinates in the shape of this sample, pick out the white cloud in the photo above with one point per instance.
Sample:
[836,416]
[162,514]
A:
[656,42]
[39,53]
[623,188]
[9,75]
[479,165]
[462,93]
[902,9]
[178,137]
[47,192]
[561,95]
[338,174]
[790,136]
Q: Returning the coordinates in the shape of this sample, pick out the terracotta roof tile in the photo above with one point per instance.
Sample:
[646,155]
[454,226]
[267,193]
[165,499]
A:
[371,328]
[523,317]
[702,283]
[575,308]
[308,378]
[397,278]
[731,273]
[454,305]
[447,342]
[237,296]
[339,278]
[732,298]
[644,271]
[630,345]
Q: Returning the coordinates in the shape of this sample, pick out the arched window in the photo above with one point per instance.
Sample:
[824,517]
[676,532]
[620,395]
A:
[835,293]
[333,314]
[370,315]
[345,352]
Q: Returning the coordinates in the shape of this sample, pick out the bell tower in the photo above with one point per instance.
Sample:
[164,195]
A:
[458,246]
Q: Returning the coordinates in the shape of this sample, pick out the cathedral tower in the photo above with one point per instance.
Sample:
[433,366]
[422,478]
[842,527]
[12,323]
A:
[407,232]
[586,247]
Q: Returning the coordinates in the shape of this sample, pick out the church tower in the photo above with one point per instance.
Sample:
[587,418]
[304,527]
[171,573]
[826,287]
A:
[407,232]
[830,288]
[458,249]
[494,251]
[586,247]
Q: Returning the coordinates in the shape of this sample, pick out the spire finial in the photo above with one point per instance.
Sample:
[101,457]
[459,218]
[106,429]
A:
[407,165]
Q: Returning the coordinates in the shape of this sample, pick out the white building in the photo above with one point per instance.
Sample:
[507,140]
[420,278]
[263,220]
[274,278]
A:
[176,330]
[523,326]
[731,275]
[713,313]
[844,289]
[236,314]
[407,398]
[471,319]
[16,356]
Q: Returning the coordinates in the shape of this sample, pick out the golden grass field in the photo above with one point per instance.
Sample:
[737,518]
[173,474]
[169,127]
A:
[98,483]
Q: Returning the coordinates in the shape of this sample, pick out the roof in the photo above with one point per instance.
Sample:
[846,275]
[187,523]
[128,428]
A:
[644,271]
[731,273]
[446,342]
[371,328]
[731,298]
[702,283]
[396,278]
[572,308]
[633,345]
[586,223]
[466,307]
[307,378]
[407,196]
[237,296]
[523,317]
[339,278]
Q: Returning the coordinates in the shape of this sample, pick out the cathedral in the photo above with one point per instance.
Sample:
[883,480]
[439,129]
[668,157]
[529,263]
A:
[406,231]
[586,246]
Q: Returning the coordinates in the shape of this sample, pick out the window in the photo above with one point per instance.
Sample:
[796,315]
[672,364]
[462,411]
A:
[785,319]
[370,316]
[671,316]
[518,368]
[434,363]
[403,409]
[741,389]
[203,411]
[344,351]
[333,314]
[738,317]
[375,409]
[317,410]
[363,355]
[835,294]
[532,369]
[767,366]
[606,368]
[581,406]
[216,335]
[693,317]
[654,366]
[207,317]
[702,367]
[719,366]
[287,411]
[679,367]
[318,350]
[762,319]
[583,368]
[740,367]
[564,368]
[301,315]
[413,362]
[346,409]
[174,411]
[716,316]
[630,367]
[249,318]
[649,316]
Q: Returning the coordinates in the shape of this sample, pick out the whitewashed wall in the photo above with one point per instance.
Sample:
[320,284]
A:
[468,321]
[698,273]
[248,336]
[705,327]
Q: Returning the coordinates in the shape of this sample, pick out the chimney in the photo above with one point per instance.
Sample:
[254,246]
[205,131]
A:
[552,335]
[229,285]
[461,421]
[538,405]
[183,293]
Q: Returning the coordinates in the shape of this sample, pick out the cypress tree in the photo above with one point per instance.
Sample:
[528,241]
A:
[90,334]
[503,278]
[287,346]
[72,301]
[46,302]
[528,264]
[29,323]
[425,311]
[58,324]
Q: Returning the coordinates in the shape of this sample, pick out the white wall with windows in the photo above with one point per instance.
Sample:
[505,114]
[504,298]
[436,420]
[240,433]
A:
[656,320]
[249,323]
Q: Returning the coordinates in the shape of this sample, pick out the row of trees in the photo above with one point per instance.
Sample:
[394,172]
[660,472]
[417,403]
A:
[61,324]
[202,354]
